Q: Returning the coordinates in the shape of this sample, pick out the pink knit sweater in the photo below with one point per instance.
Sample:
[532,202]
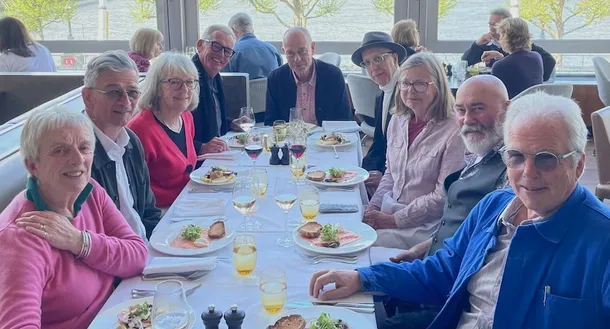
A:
[43,287]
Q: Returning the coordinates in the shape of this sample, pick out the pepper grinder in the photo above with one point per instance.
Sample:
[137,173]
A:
[211,318]
[275,157]
[234,317]
[285,155]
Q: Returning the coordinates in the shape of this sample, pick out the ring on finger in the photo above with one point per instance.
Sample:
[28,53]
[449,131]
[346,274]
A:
[46,235]
[42,227]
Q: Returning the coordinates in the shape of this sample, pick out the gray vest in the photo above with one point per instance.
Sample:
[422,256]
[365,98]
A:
[463,194]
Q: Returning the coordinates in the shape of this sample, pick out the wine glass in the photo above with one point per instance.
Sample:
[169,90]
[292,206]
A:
[280,131]
[254,146]
[244,200]
[297,148]
[170,309]
[190,51]
[296,122]
[285,197]
[273,288]
[309,202]
[244,254]
[246,115]
[260,181]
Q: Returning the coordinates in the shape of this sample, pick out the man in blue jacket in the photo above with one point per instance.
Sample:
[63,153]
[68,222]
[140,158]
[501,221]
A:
[304,82]
[538,257]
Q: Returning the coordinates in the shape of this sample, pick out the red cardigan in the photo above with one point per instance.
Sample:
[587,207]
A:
[166,163]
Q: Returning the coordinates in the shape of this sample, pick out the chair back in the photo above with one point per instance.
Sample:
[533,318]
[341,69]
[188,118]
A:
[331,58]
[258,94]
[602,76]
[13,176]
[362,91]
[557,89]
[601,129]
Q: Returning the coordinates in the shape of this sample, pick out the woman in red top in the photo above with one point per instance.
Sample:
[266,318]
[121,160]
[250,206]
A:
[165,124]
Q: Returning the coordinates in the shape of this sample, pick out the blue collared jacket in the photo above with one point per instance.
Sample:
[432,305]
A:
[254,56]
[568,253]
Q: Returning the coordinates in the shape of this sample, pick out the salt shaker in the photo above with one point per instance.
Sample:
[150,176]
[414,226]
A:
[285,155]
[211,317]
[275,157]
[234,317]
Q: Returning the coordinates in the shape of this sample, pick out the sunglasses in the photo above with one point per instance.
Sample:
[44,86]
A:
[116,94]
[545,161]
[217,47]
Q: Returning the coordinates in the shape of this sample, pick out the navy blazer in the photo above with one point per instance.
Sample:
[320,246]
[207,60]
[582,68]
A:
[375,159]
[332,103]
[519,71]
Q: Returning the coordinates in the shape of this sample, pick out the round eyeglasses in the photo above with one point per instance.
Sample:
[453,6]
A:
[545,161]
[176,83]
[418,86]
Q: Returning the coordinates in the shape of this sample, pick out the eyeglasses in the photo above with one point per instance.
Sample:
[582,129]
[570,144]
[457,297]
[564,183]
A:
[176,83]
[377,60]
[116,94]
[545,161]
[302,52]
[217,47]
[418,86]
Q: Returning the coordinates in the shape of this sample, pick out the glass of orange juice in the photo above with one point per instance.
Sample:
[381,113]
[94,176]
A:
[273,289]
[309,202]
[244,254]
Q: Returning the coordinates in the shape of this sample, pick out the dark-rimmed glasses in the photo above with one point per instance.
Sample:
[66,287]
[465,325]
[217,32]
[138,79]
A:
[217,47]
[176,83]
[545,161]
[418,86]
[116,94]
[377,60]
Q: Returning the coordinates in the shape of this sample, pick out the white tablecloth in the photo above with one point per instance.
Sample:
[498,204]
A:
[223,287]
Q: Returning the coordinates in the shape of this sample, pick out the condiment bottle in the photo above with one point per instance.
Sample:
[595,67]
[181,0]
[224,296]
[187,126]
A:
[266,146]
[234,317]
[211,318]
[285,155]
[275,158]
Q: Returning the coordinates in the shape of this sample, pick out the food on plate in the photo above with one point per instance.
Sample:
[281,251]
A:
[240,139]
[336,175]
[316,175]
[332,139]
[134,315]
[194,237]
[218,175]
[293,321]
[324,321]
[310,230]
[331,236]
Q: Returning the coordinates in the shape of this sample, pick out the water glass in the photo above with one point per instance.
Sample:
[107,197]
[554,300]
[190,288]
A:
[260,181]
[246,114]
[285,195]
[280,131]
[309,201]
[170,309]
[296,123]
[273,289]
[244,254]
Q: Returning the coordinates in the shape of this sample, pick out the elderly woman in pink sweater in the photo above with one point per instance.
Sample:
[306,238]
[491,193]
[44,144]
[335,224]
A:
[63,239]
[424,147]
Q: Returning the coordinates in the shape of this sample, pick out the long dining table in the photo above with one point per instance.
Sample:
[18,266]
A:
[223,287]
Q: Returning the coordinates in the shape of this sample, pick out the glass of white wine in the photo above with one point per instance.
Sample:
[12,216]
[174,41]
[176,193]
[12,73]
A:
[273,289]
[247,120]
[244,254]
[285,197]
[309,201]
[244,200]
[280,131]
[259,181]
[170,309]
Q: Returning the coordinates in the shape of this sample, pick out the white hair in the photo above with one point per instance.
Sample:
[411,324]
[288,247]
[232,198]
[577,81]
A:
[42,120]
[113,60]
[241,22]
[297,29]
[165,65]
[207,33]
[542,106]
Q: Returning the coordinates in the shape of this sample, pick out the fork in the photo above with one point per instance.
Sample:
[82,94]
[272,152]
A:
[323,258]
[336,154]
[188,276]
[336,188]
[138,293]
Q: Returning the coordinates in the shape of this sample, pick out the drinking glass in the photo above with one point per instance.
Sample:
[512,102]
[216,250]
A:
[260,181]
[309,201]
[170,309]
[296,122]
[244,200]
[285,197]
[254,146]
[280,131]
[244,254]
[297,167]
[273,289]
[247,115]
[297,148]
[190,51]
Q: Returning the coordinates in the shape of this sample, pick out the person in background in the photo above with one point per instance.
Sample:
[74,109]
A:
[424,146]
[110,93]
[253,56]
[214,50]
[523,67]
[165,124]
[480,107]
[380,56]
[63,240]
[487,48]
[535,256]
[405,33]
[19,52]
[145,45]
[304,82]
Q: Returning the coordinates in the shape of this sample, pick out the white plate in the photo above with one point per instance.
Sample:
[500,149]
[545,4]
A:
[196,176]
[315,139]
[367,234]
[351,318]
[109,318]
[232,141]
[162,238]
[362,175]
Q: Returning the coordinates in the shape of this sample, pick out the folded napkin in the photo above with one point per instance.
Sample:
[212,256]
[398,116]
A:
[341,126]
[357,298]
[179,265]
[226,155]
[194,206]
[382,254]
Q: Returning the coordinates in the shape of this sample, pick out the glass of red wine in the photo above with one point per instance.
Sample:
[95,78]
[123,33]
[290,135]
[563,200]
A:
[297,148]
[254,146]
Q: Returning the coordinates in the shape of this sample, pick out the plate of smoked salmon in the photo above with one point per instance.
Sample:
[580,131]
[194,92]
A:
[196,238]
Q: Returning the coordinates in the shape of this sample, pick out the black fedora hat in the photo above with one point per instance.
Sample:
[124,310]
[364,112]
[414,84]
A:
[378,39]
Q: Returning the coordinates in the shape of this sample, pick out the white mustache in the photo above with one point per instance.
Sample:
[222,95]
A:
[474,129]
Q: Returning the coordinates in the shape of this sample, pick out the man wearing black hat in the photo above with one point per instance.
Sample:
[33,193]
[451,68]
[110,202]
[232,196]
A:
[380,56]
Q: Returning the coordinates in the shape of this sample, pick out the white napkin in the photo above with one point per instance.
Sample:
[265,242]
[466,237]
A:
[193,206]
[341,126]
[179,265]
[382,254]
[226,155]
